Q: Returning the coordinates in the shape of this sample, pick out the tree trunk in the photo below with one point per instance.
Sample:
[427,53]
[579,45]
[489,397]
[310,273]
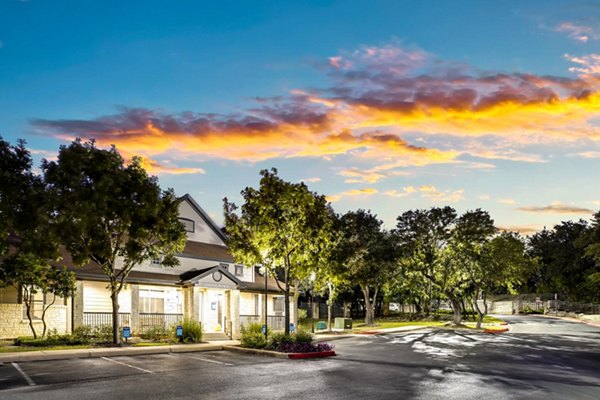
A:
[456,306]
[480,315]
[347,313]
[27,296]
[114,296]
[329,305]
[287,302]
[369,311]
[296,296]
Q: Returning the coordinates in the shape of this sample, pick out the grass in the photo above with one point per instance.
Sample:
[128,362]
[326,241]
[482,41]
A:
[152,344]
[386,324]
[16,349]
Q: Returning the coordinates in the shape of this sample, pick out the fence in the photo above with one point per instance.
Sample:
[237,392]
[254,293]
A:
[575,307]
[97,319]
[152,320]
[274,322]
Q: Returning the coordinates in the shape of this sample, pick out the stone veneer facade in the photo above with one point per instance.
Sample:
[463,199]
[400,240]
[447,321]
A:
[12,323]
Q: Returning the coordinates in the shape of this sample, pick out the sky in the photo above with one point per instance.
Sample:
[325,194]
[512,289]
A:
[380,105]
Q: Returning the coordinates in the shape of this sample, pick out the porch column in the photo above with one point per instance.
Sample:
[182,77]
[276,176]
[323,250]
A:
[196,304]
[234,302]
[78,305]
[135,308]
[188,302]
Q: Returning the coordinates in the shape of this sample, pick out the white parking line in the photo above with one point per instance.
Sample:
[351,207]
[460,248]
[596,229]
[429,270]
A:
[30,381]
[204,359]
[127,365]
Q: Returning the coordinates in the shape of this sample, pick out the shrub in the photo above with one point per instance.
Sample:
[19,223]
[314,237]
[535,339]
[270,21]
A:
[192,331]
[277,339]
[253,340]
[302,314]
[303,336]
[252,328]
[305,347]
[102,334]
[156,334]
[82,334]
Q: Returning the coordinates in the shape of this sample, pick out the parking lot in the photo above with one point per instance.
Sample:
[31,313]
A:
[539,359]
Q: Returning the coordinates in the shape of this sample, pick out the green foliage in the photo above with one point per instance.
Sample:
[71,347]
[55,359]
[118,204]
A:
[281,226]
[303,336]
[302,314]
[192,331]
[276,339]
[368,253]
[253,340]
[132,217]
[252,328]
[157,334]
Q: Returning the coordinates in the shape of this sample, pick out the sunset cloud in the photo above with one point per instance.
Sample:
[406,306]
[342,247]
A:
[579,32]
[352,193]
[378,97]
[557,208]
[526,230]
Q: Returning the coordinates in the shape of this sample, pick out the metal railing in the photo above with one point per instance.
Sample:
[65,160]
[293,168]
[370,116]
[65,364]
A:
[152,320]
[274,322]
[95,319]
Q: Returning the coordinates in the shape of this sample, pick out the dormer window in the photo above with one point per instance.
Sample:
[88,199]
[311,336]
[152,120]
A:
[239,270]
[188,224]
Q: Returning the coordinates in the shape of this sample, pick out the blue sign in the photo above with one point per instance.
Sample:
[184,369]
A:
[179,331]
[126,332]
[292,327]
[264,329]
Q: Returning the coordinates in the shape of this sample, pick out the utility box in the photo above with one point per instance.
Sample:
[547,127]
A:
[321,325]
[343,323]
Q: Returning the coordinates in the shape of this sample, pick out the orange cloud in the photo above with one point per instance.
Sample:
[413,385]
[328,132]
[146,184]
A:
[379,94]
[579,32]
[557,208]
[352,193]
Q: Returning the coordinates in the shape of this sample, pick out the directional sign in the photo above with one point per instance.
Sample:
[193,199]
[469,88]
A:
[179,331]
[126,332]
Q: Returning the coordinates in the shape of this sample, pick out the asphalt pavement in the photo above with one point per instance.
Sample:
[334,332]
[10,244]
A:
[540,358]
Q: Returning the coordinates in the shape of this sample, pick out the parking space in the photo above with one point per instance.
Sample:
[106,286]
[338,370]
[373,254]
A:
[39,373]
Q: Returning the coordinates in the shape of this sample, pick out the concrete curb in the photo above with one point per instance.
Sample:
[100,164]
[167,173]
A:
[258,352]
[277,354]
[108,352]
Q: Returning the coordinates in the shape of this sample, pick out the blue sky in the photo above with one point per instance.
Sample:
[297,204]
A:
[383,105]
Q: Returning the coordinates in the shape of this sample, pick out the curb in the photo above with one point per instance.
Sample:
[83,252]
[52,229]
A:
[495,331]
[277,354]
[53,355]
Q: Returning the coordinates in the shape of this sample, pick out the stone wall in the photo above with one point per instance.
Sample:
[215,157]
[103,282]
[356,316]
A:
[12,323]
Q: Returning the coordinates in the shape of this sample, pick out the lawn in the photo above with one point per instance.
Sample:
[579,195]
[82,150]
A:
[386,324]
[4,348]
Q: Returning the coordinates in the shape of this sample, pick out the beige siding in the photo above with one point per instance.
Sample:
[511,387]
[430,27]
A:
[202,231]
[96,298]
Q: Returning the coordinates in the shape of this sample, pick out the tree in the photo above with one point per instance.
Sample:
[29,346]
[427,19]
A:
[112,214]
[502,266]
[566,259]
[331,272]
[443,247]
[369,254]
[27,245]
[281,225]
[33,275]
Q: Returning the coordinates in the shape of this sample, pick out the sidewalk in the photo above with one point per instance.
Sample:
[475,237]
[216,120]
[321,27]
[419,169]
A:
[581,321]
[26,356]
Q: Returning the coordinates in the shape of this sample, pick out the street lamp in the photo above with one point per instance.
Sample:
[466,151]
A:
[265,257]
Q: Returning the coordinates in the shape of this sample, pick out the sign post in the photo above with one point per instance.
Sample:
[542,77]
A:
[126,333]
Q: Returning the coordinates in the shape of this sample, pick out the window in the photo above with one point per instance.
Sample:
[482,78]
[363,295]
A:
[188,224]
[156,262]
[152,301]
[256,305]
[239,270]
[278,304]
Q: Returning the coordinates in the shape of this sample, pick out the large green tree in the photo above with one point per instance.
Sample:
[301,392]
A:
[282,226]
[27,243]
[368,254]
[443,247]
[112,214]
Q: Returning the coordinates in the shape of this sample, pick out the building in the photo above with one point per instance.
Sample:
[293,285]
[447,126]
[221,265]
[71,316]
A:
[207,286]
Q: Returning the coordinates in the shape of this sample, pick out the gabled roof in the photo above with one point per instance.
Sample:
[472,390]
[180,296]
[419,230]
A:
[204,216]
[195,275]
